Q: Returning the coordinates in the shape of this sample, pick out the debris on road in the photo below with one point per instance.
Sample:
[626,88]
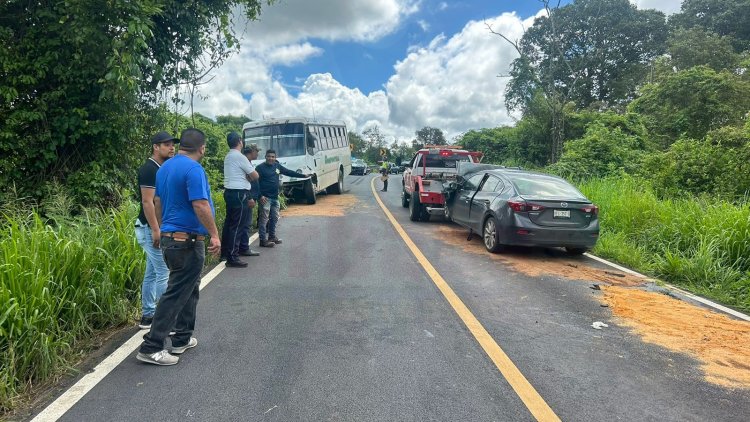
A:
[719,342]
[599,325]
[326,206]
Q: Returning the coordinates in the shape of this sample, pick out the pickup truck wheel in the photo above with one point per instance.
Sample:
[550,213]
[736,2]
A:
[424,215]
[490,235]
[404,198]
[309,192]
[415,207]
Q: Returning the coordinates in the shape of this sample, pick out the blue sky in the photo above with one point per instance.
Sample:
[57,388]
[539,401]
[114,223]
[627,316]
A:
[396,64]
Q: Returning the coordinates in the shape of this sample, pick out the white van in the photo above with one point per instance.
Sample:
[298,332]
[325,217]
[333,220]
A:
[317,148]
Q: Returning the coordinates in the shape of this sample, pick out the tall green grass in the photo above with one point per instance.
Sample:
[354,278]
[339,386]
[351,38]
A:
[700,244]
[60,284]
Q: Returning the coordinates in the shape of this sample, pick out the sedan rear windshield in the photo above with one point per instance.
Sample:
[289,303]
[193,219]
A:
[544,186]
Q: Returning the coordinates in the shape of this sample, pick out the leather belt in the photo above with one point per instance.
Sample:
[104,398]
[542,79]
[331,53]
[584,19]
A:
[182,236]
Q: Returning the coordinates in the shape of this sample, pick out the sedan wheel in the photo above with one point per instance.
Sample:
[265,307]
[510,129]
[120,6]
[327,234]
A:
[489,235]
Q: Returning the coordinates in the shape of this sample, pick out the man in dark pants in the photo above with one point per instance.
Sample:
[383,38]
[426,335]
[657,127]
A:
[238,172]
[186,216]
[251,152]
[269,172]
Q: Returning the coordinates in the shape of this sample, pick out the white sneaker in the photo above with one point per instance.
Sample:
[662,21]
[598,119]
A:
[180,350]
[161,357]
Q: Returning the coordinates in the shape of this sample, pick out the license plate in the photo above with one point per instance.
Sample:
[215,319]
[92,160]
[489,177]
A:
[561,214]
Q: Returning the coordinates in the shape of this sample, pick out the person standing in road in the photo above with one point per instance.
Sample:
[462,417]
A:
[384,175]
[251,152]
[270,171]
[238,172]
[147,231]
[186,215]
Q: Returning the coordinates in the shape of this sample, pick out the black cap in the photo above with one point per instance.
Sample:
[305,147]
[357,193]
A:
[163,137]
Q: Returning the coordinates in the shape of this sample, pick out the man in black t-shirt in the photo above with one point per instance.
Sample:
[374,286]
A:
[147,227]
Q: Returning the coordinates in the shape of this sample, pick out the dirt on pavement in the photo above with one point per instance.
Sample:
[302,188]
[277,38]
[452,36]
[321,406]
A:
[720,343]
[326,206]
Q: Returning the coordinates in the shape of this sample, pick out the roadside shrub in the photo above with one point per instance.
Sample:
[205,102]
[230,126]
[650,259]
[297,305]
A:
[601,152]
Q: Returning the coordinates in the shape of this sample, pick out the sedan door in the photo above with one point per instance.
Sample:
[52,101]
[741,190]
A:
[462,202]
[480,202]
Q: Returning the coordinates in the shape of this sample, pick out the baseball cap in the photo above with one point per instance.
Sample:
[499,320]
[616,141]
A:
[163,137]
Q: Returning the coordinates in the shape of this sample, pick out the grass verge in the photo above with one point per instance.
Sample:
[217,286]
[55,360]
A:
[700,244]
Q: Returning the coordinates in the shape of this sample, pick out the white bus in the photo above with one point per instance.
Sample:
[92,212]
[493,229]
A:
[317,148]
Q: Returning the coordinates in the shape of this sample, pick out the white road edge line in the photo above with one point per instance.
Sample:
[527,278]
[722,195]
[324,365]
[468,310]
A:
[70,397]
[704,301]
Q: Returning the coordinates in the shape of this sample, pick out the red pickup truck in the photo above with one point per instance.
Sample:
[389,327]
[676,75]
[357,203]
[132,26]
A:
[425,175]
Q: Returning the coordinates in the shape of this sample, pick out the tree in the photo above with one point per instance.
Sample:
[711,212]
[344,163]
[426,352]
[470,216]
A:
[374,141]
[729,18]
[691,103]
[696,46]
[358,145]
[585,52]
[428,136]
[79,82]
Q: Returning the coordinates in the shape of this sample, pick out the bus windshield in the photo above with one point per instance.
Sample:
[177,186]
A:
[288,140]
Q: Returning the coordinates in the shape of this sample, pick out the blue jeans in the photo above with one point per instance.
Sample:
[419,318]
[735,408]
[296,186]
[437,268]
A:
[178,304]
[268,214]
[156,275]
[246,228]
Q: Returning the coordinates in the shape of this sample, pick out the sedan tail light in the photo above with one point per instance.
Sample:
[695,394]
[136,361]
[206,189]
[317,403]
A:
[592,209]
[522,206]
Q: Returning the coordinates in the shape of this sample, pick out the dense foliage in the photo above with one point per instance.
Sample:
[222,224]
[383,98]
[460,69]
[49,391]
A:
[79,80]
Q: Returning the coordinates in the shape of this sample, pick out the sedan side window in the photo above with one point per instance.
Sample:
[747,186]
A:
[490,185]
[473,181]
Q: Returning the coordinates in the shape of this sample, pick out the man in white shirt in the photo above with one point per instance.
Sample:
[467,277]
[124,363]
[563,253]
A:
[238,172]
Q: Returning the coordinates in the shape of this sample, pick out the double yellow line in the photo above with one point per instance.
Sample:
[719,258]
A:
[525,391]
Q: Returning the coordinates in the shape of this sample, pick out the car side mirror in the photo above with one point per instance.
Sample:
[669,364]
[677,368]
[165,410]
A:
[406,166]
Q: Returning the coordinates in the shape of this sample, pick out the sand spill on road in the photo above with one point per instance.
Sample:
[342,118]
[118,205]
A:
[720,343]
[326,206]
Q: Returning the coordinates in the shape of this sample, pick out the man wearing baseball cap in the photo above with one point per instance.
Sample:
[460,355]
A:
[147,227]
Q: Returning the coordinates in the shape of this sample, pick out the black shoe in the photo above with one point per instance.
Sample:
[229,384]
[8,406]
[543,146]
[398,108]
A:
[249,252]
[145,322]
[236,264]
[274,240]
[267,244]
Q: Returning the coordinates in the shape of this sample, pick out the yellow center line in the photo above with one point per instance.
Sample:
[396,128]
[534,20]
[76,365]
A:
[526,392]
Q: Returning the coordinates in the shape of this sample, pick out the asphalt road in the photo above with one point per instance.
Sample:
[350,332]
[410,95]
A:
[341,323]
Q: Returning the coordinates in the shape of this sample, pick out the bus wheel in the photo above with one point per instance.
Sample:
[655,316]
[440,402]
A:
[309,192]
[339,186]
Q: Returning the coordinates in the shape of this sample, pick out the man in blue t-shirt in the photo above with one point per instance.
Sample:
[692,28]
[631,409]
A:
[268,214]
[186,216]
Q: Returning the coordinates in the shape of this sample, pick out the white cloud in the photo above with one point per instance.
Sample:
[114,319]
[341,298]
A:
[452,83]
[442,6]
[666,6]
[289,21]
[424,25]
[292,54]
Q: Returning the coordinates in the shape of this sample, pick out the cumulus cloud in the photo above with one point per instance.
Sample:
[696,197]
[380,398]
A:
[454,82]
[666,6]
[289,21]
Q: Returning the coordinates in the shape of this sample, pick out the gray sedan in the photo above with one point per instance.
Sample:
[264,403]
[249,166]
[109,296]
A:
[516,207]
